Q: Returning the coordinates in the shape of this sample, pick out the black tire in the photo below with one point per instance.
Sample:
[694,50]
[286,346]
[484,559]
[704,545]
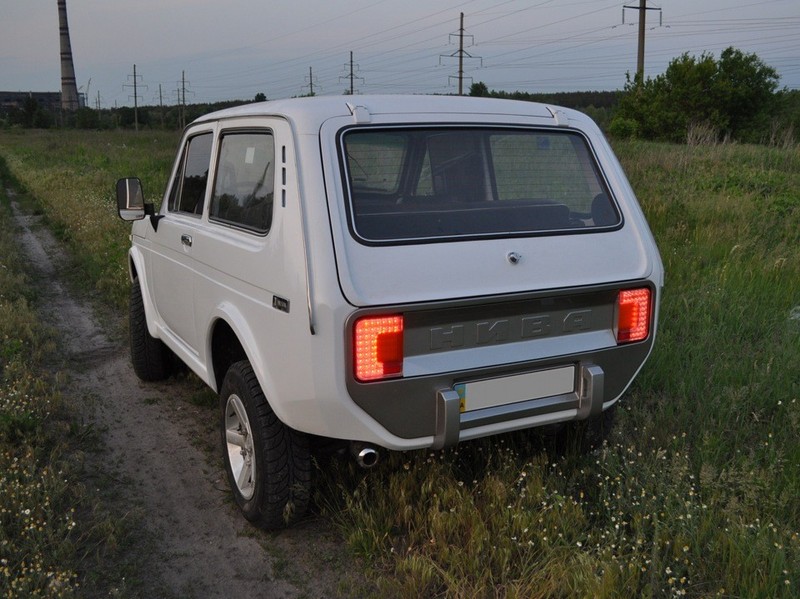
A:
[268,464]
[152,360]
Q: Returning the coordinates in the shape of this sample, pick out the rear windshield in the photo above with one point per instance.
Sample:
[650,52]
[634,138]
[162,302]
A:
[421,184]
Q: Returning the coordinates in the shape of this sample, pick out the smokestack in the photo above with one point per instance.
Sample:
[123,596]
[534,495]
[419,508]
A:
[69,88]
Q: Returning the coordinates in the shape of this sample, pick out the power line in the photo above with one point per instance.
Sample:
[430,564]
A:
[402,55]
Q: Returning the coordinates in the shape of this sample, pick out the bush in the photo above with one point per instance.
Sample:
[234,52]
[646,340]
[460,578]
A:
[734,95]
[623,128]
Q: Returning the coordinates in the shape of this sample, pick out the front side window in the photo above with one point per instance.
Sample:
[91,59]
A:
[434,183]
[189,190]
[245,181]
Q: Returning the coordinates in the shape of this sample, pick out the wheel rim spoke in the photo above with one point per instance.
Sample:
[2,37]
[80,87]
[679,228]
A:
[239,440]
[243,481]
[238,409]
[235,438]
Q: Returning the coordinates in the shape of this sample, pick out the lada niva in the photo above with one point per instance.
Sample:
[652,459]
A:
[397,272]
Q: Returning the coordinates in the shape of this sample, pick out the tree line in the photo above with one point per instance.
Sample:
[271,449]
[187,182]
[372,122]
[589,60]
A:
[735,97]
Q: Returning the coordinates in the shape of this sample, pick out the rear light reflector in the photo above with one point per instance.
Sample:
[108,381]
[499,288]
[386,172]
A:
[378,347]
[633,310]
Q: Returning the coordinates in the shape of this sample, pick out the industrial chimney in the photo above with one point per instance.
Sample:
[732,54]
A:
[69,88]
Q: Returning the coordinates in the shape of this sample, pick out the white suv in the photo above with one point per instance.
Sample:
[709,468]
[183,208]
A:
[399,272]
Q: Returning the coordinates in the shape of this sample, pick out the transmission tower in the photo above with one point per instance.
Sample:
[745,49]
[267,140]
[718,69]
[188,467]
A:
[351,77]
[134,83]
[460,54]
[310,82]
[181,92]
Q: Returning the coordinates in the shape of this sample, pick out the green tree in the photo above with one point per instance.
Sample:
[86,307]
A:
[86,118]
[745,90]
[479,89]
[733,96]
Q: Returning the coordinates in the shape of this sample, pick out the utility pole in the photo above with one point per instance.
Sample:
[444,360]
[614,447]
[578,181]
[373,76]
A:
[642,8]
[182,99]
[461,56]
[351,76]
[461,53]
[135,86]
[310,81]
[161,104]
[351,72]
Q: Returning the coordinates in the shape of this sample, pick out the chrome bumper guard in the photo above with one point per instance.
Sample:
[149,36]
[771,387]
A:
[587,399]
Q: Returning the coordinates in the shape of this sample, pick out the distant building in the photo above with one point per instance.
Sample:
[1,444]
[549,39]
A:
[49,101]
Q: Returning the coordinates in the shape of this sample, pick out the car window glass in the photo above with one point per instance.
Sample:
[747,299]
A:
[245,181]
[188,194]
[408,184]
[377,171]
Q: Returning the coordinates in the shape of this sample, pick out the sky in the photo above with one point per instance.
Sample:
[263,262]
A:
[235,49]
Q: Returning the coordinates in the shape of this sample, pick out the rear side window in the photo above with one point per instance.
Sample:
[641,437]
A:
[245,182]
[189,191]
[421,184]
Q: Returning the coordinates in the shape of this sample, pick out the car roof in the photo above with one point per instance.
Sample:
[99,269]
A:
[310,112]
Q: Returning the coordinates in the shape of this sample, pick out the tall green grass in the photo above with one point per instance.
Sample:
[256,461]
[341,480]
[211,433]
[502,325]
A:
[697,491]
[38,496]
[72,176]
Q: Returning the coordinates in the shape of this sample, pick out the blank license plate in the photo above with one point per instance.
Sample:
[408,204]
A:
[487,393]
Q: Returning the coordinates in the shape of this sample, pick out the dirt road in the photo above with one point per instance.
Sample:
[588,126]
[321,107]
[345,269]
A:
[158,465]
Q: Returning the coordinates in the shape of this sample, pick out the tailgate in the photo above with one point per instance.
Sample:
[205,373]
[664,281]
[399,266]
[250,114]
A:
[427,212]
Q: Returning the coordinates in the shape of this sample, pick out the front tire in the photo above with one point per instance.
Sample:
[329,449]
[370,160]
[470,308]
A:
[152,360]
[268,464]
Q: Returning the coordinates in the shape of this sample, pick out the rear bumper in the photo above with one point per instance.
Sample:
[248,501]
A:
[425,401]
[453,425]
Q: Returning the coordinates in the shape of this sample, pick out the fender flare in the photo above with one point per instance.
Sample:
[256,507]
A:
[228,313]
[136,265]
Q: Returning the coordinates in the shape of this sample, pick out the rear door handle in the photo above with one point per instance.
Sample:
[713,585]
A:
[186,240]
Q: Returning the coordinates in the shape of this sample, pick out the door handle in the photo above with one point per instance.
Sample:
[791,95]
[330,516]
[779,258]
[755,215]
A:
[186,240]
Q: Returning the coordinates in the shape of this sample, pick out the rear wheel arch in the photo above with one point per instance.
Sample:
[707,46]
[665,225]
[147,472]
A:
[226,350]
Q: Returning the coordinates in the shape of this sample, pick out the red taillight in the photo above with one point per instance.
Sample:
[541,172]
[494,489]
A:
[378,347]
[633,309]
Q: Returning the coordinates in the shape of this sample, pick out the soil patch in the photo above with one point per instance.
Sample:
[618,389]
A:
[158,466]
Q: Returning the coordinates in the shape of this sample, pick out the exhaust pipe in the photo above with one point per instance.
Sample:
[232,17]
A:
[365,455]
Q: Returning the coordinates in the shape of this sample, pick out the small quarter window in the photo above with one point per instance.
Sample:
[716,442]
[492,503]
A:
[245,182]
[189,191]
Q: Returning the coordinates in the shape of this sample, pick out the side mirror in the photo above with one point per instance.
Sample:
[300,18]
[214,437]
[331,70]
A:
[130,199]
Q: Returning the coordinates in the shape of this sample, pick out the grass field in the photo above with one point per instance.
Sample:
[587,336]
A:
[697,492]
[38,490]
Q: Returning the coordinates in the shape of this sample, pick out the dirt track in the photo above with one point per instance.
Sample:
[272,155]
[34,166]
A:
[158,462]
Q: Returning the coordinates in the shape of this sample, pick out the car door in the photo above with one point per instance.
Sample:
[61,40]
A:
[172,264]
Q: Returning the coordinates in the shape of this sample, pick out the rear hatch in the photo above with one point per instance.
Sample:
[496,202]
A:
[434,208]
